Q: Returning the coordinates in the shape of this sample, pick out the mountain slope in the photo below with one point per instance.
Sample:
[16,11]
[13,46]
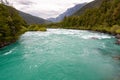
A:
[68,12]
[93,4]
[105,18]
[32,19]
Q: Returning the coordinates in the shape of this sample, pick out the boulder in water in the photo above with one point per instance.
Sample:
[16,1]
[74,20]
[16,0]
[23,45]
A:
[118,36]
[116,57]
[118,41]
[94,38]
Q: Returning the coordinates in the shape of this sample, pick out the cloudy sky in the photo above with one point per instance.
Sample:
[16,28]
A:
[45,8]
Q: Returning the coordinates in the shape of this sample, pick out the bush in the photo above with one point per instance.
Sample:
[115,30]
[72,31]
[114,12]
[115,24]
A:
[36,27]
[0,34]
[118,31]
[115,29]
[10,24]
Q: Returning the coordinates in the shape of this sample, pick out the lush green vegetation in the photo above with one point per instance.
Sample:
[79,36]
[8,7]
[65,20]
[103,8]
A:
[105,18]
[12,25]
[32,19]
[93,4]
[36,27]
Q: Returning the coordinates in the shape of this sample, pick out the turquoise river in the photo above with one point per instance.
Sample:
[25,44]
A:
[61,54]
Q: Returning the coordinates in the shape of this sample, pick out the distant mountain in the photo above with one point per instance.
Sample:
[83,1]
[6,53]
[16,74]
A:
[30,19]
[68,12]
[93,4]
[105,18]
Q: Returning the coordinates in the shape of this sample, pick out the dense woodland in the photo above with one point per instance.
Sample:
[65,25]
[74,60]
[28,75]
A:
[105,18]
[12,25]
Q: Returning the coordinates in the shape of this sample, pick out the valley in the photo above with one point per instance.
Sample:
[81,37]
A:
[82,43]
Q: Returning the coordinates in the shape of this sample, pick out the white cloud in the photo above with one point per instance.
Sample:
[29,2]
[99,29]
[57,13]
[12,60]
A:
[44,8]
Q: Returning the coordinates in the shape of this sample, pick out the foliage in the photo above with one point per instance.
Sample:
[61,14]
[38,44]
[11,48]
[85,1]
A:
[11,24]
[118,31]
[101,18]
[36,27]
[115,29]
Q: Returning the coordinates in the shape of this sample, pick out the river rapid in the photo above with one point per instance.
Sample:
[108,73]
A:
[61,54]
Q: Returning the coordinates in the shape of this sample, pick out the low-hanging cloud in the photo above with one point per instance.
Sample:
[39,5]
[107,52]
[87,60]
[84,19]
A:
[25,2]
[45,8]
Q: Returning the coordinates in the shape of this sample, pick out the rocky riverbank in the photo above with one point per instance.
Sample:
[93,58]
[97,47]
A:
[3,44]
[118,39]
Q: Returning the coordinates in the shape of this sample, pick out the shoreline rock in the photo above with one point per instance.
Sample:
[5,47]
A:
[116,57]
[118,39]
[117,36]
[93,38]
[118,42]
[3,44]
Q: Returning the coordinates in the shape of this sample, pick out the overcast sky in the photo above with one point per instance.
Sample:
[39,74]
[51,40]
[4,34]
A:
[45,8]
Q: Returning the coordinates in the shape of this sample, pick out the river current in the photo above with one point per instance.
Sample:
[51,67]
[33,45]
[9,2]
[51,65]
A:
[61,54]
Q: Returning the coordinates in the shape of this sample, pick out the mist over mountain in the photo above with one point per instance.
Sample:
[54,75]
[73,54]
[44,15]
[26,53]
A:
[68,12]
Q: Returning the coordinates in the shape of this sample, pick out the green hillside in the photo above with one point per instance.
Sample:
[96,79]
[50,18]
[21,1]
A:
[11,25]
[105,18]
[93,4]
[32,19]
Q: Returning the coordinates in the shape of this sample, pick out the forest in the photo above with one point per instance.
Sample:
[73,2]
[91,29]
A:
[12,25]
[105,18]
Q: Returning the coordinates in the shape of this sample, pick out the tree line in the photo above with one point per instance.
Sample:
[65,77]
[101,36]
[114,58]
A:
[105,18]
[12,25]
